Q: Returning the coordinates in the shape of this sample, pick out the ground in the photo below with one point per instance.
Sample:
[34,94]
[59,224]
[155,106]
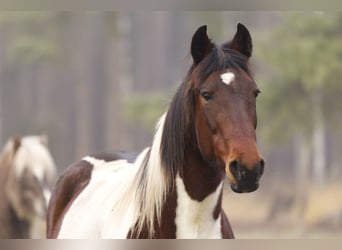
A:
[279,214]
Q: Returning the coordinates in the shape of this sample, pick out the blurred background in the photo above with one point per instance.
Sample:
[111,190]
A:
[98,81]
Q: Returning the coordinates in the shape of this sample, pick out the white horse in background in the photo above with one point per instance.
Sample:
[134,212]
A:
[27,173]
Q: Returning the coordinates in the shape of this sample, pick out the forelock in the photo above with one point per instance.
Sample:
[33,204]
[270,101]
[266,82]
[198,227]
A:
[219,59]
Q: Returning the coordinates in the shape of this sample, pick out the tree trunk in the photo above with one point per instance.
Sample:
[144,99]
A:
[78,59]
[318,140]
[114,68]
[302,165]
[2,56]
[97,80]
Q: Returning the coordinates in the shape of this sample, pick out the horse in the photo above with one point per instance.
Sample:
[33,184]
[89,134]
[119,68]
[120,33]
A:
[174,188]
[27,173]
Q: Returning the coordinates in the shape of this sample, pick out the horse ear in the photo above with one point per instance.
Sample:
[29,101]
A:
[16,143]
[200,44]
[44,139]
[242,41]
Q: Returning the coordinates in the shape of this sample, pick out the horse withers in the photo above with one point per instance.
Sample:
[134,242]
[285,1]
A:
[27,173]
[174,188]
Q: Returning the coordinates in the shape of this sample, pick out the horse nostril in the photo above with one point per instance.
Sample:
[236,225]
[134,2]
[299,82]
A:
[234,169]
[259,168]
[262,163]
[239,171]
[234,166]
[262,166]
[242,173]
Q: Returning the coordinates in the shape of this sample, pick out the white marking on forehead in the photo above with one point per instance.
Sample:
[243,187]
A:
[228,77]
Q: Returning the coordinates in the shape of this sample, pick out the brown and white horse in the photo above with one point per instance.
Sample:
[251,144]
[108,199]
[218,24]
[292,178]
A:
[174,188]
[27,172]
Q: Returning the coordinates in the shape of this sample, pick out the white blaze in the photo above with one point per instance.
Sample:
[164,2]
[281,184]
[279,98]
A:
[228,77]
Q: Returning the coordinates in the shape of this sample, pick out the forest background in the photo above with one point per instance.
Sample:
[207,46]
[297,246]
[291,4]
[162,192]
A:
[98,81]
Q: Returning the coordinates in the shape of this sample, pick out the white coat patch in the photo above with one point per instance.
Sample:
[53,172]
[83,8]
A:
[194,219]
[228,77]
[90,216]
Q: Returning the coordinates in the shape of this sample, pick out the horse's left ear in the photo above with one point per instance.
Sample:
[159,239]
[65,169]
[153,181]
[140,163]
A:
[200,44]
[242,41]
[16,143]
[44,139]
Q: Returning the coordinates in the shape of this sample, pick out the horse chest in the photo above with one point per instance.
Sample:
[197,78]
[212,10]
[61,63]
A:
[195,219]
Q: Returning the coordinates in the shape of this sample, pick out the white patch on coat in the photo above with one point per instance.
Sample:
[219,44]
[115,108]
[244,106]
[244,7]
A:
[147,191]
[92,215]
[102,163]
[194,219]
[228,77]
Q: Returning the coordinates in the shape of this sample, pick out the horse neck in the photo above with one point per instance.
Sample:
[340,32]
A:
[193,182]
[193,205]
[200,178]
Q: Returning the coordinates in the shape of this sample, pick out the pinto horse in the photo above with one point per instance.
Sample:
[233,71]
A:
[173,189]
[27,172]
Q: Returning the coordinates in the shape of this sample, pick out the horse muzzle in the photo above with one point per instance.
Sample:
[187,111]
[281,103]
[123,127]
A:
[246,179]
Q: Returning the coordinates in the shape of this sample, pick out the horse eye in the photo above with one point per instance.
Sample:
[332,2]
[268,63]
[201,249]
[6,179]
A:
[257,92]
[206,95]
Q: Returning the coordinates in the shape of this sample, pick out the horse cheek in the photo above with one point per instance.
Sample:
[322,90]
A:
[204,138]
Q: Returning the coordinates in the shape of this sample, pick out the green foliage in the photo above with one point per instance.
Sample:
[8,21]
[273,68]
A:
[29,49]
[145,108]
[304,58]
[309,49]
[32,37]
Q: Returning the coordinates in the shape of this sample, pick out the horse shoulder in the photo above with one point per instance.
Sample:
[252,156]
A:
[69,185]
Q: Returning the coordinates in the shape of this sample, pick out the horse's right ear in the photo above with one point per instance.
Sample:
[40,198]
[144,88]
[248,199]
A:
[16,143]
[44,139]
[200,44]
[242,41]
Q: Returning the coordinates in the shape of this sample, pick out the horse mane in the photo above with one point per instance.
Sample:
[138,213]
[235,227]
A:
[147,188]
[175,135]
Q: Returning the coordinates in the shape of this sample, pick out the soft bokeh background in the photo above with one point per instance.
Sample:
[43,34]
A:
[98,81]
